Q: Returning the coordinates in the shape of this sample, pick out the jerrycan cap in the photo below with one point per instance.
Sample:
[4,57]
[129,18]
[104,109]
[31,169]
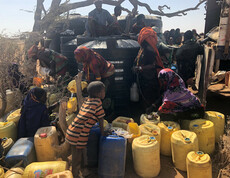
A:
[155,133]
[200,153]
[219,116]
[187,140]
[152,138]
[4,139]
[195,125]
[43,135]
[170,128]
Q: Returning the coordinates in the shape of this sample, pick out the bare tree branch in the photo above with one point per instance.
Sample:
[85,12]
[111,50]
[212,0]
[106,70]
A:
[57,9]
[161,13]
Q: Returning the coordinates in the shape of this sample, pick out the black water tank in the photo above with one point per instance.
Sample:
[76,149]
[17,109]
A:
[122,53]
[68,45]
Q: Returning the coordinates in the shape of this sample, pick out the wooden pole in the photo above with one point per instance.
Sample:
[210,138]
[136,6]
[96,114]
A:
[227,36]
[80,98]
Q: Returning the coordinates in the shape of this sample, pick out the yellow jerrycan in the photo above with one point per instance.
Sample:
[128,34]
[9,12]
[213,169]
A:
[167,129]
[146,156]
[43,169]
[73,88]
[218,120]
[134,129]
[152,118]
[122,122]
[9,130]
[14,116]
[198,165]
[205,132]
[182,142]
[44,138]
[72,105]
[14,172]
[151,130]
[7,143]
[64,174]
[1,172]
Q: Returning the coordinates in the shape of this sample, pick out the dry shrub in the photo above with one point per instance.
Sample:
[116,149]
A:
[12,51]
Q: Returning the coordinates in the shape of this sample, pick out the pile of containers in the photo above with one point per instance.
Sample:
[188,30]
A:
[189,149]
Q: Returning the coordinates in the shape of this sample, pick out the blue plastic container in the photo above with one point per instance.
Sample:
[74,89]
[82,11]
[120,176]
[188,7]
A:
[93,146]
[22,150]
[112,156]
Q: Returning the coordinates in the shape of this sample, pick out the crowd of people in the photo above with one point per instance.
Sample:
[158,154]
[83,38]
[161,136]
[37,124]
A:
[162,89]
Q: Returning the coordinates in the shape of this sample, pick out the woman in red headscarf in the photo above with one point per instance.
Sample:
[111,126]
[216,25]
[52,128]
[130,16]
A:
[93,63]
[96,67]
[147,66]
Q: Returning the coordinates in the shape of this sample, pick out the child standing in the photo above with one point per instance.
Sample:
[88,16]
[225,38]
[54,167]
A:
[78,132]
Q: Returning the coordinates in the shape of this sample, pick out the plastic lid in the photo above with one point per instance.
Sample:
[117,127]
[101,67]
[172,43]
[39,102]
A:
[152,138]
[200,153]
[155,133]
[43,135]
[187,140]
[198,157]
[195,125]
[219,116]
[170,127]
[4,138]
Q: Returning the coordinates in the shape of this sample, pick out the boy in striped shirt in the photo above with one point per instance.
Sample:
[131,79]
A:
[78,132]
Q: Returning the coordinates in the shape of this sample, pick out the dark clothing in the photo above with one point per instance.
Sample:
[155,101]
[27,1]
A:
[191,114]
[56,62]
[186,59]
[79,160]
[34,115]
[136,28]
[147,78]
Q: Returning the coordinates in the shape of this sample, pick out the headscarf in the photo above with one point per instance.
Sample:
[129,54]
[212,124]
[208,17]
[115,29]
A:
[34,113]
[150,36]
[177,98]
[92,58]
[32,52]
[84,53]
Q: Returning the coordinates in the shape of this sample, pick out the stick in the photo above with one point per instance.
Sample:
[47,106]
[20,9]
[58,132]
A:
[80,98]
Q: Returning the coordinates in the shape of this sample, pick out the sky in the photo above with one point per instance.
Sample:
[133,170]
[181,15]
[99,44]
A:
[14,17]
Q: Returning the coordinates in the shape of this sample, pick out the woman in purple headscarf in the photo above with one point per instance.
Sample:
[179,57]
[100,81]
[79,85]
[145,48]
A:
[178,102]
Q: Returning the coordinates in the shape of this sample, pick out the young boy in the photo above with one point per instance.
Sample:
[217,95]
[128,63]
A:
[78,132]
